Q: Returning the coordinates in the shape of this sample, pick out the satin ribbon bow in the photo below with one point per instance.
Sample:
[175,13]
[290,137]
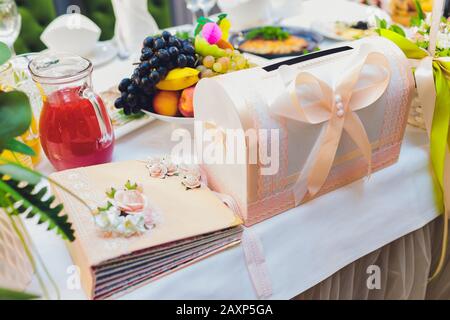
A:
[310,100]
[432,76]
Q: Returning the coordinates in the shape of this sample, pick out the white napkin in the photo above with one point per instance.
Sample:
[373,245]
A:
[73,33]
[133,24]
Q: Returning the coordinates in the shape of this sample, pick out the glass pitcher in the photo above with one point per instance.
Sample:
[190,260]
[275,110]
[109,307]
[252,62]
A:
[74,125]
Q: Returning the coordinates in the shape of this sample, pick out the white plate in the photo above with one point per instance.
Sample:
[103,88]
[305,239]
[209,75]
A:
[322,15]
[104,52]
[174,120]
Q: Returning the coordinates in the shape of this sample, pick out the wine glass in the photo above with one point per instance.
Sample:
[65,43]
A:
[206,6]
[193,6]
[10,23]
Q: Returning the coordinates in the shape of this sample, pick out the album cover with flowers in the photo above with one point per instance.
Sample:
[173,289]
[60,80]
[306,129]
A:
[136,227]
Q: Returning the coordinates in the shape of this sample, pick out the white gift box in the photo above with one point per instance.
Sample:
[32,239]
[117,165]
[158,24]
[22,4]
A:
[315,123]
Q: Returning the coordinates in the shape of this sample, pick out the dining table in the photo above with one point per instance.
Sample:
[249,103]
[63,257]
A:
[302,247]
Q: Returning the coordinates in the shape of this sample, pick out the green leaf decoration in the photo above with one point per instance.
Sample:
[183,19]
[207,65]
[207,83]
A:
[18,146]
[108,206]
[200,23]
[131,186]
[32,204]
[420,14]
[5,53]
[111,193]
[381,23]
[221,17]
[8,294]
[20,173]
[15,115]
[397,29]
[183,35]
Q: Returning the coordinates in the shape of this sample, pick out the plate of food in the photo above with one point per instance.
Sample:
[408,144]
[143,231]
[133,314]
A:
[272,42]
[344,20]
[163,82]
[344,30]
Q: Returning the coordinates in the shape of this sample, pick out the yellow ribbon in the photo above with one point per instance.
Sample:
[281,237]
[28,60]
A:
[432,76]
[309,99]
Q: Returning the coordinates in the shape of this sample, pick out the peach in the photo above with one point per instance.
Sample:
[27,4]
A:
[166,103]
[186,103]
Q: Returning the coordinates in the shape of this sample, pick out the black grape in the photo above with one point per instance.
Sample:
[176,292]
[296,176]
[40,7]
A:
[124,84]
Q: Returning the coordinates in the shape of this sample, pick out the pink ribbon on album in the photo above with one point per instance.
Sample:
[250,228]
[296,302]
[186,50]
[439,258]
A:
[252,247]
[310,100]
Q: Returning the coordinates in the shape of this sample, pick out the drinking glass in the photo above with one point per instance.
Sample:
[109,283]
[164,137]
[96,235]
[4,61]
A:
[193,6]
[206,6]
[10,23]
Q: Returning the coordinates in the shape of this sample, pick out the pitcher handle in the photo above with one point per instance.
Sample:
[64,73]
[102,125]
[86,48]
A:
[88,94]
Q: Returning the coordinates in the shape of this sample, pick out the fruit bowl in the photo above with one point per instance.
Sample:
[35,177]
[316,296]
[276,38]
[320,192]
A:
[174,120]
[163,83]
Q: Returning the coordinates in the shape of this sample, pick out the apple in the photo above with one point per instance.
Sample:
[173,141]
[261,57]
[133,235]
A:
[186,102]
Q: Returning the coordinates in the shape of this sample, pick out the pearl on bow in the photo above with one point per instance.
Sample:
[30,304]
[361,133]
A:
[339,105]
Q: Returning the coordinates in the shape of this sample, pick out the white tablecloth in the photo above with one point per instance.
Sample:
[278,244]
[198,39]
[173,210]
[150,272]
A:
[302,246]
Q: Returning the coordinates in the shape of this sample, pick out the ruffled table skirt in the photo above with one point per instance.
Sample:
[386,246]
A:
[404,267]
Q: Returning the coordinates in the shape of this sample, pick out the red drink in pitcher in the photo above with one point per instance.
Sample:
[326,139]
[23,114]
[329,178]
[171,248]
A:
[70,133]
[75,129]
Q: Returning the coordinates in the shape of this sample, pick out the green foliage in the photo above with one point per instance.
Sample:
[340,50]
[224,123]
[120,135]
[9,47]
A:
[417,20]
[442,52]
[382,24]
[17,146]
[19,173]
[32,202]
[17,183]
[267,33]
[7,294]
[15,116]
[5,53]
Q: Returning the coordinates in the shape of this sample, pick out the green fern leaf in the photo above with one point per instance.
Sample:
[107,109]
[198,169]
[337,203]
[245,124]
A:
[33,204]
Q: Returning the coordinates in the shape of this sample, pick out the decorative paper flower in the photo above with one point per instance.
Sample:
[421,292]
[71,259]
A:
[191,181]
[131,225]
[211,32]
[162,167]
[158,170]
[165,167]
[172,168]
[189,169]
[420,35]
[108,220]
[150,216]
[153,160]
[127,212]
[130,201]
